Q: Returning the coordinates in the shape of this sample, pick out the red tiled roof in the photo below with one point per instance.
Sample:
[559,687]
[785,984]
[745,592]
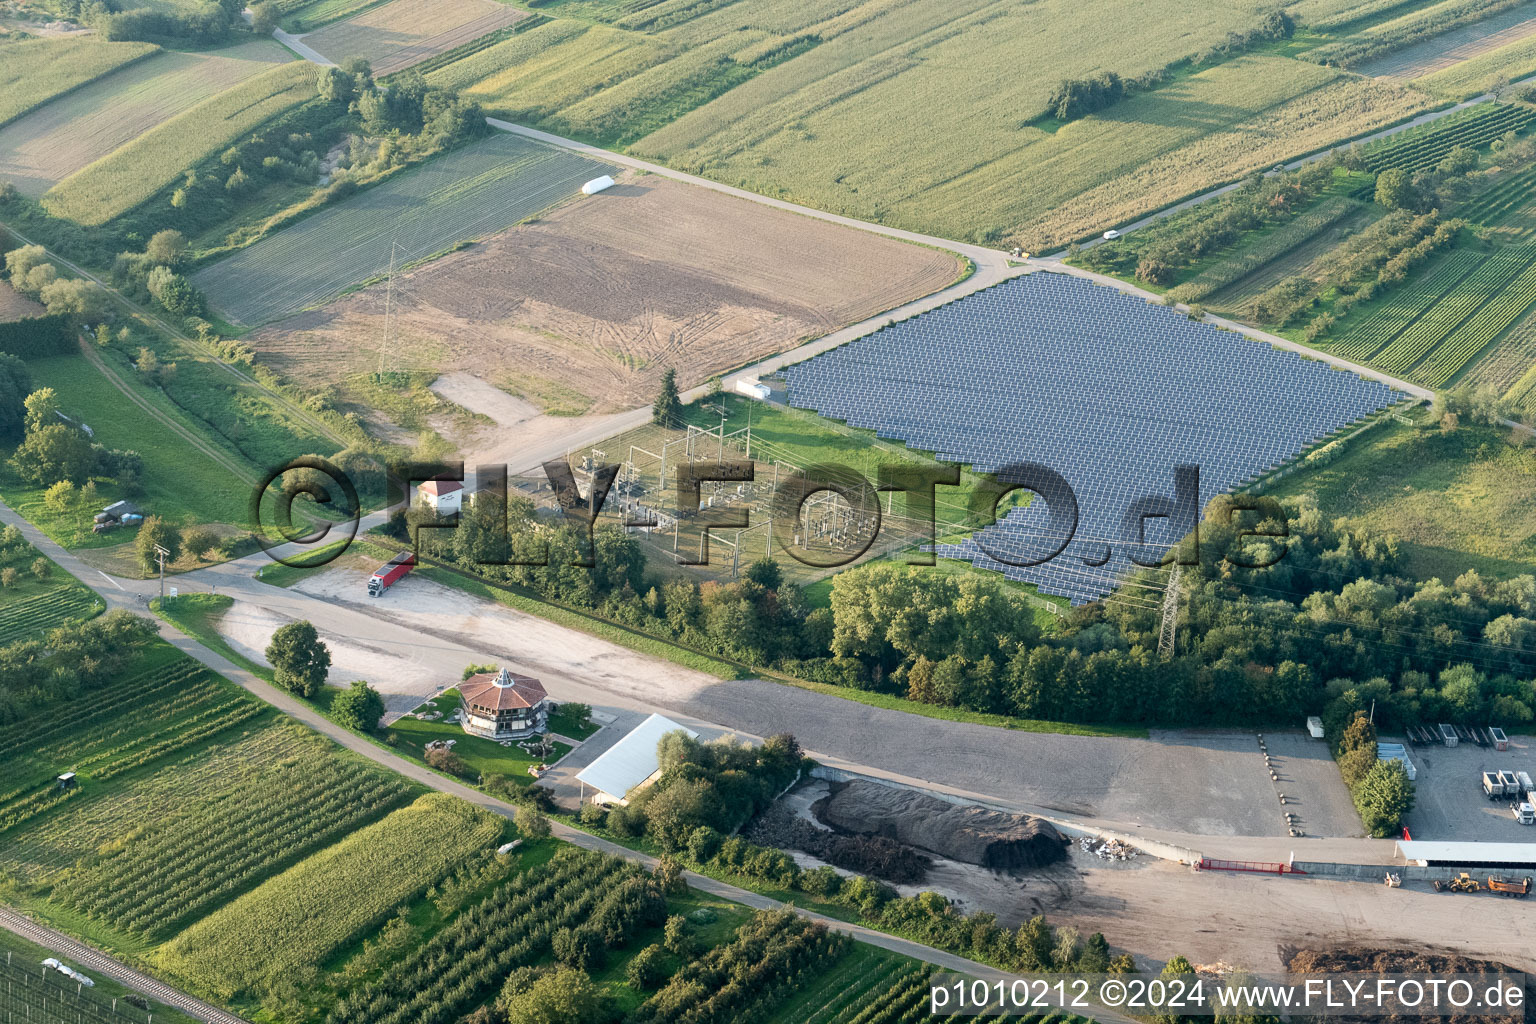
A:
[438,488]
[501,691]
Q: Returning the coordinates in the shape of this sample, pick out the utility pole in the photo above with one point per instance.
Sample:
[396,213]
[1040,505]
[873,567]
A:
[1167,634]
[161,554]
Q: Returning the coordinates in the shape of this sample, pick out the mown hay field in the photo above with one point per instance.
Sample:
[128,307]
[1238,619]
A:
[1043,188]
[584,308]
[43,147]
[296,920]
[406,32]
[133,173]
[472,192]
[34,71]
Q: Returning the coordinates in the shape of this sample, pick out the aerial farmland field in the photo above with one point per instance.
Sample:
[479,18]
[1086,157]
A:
[34,71]
[465,194]
[405,32]
[1044,188]
[41,148]
[134,172]
[815,105]
[1477,74]
[601,295]
[1449,49]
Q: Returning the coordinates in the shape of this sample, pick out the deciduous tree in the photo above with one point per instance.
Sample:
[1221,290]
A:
[299,659]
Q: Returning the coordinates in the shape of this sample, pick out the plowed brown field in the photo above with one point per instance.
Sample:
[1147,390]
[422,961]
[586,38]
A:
[397,35]
[595,300]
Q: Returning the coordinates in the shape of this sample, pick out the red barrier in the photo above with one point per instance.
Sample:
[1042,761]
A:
[1253,866]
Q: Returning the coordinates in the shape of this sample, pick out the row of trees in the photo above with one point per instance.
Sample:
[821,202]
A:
[32,274]
[68,663]
[1255,645]
[1159,252]
[1381,790]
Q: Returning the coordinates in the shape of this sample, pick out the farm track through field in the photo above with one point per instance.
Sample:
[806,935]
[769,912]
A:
[94,358]
[301,414]
[95,960]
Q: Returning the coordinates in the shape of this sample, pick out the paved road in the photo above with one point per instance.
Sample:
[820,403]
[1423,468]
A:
[129,595]
[298,46]
[97,962]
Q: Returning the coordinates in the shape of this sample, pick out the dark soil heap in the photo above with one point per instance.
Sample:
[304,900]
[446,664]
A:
[966,833]
[1357,960]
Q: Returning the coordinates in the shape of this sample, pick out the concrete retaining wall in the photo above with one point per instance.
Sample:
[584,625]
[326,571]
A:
[1410,872]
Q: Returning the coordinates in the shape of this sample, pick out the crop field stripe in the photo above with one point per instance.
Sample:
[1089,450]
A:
[36,71]
[132,174]
[42,612]
[1453,309]
[1419,149]
[1487,324]
[297,919]
[1488,206]
[1291,235]
[475,191]
[1523,392]
[1373,333]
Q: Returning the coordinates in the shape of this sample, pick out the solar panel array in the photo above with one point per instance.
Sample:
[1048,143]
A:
[1106,389]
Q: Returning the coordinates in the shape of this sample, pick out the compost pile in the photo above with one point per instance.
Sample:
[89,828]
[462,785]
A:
[867,854]
[1405,961]
[969,834]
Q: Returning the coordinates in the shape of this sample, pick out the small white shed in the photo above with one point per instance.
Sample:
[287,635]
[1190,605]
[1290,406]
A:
[753,389]
[597,185]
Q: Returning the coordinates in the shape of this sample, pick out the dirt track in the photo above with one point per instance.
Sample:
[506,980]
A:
[585,308]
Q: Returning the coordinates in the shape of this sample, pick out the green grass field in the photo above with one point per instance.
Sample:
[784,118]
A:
[127,177]
[34,71]
[179,482]
[1455,501]
[481,756]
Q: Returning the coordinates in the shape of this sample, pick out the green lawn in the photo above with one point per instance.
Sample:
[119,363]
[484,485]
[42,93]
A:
[567,724]
[1455,501]
[482,756]
[179,482]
